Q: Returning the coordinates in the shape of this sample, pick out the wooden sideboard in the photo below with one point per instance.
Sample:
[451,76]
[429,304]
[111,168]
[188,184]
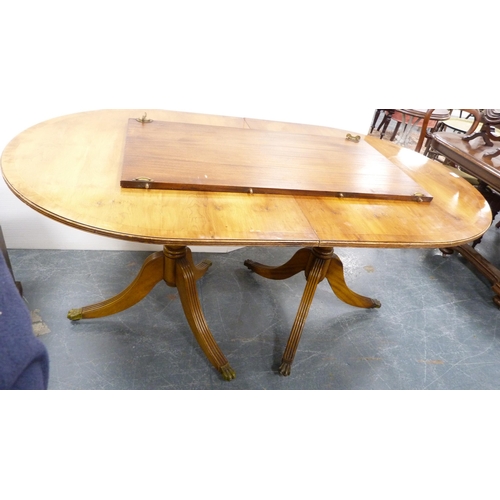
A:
[472,157]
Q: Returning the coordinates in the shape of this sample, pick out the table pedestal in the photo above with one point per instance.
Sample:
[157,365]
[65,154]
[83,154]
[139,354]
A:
[174,266]
[317,264]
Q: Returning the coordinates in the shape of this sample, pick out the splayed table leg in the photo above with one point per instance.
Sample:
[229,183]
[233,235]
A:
[176,267]
[317,263]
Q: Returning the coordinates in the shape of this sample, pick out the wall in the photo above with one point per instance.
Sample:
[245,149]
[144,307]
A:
[272,60]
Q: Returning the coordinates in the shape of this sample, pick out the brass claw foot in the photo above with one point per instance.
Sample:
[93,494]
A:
[75,314]
[285,368]
[227,372]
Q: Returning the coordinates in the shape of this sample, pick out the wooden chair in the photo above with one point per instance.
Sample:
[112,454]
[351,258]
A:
[456,124]
[467,130]
[489,118]
[425,133]
[384,123]
[388,115]
[409,118]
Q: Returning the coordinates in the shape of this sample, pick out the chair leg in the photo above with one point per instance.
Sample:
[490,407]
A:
[375,118]
[384,124]
[398,124]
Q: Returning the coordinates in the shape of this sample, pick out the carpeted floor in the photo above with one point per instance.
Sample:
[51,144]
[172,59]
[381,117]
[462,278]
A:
[437,328]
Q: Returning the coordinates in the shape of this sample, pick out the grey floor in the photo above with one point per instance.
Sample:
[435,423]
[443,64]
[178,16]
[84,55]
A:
[437,327]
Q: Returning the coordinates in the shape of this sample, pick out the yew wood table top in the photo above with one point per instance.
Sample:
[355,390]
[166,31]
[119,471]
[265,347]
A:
[70,169]
[185,156]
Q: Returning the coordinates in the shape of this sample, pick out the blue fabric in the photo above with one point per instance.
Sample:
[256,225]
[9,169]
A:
[24,362]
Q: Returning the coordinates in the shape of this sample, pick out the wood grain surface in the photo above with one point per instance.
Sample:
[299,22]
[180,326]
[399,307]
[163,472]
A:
[69,169]
[170,155]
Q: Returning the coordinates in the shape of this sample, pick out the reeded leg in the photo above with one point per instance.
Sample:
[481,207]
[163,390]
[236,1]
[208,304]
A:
[317,264]
[185,281]
[176,267]
[149,275]
[315,275]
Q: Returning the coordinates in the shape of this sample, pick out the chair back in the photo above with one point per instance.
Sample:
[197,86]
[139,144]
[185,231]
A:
[423,134]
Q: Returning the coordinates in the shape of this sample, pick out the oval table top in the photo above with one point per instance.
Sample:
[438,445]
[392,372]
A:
[68,168]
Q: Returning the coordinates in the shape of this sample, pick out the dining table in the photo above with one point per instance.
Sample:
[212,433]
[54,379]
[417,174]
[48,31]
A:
[182,179]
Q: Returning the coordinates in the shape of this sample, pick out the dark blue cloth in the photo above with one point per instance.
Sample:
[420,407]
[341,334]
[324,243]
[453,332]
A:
[24,362]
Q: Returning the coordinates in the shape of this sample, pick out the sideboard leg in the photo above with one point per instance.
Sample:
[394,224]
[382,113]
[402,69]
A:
[483,266]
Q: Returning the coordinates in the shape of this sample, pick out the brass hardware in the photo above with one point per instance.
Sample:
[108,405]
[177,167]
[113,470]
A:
[75,314]
[146,181]
[227,372]
[250,191]
[353,138]
[418,197]
[143,119]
